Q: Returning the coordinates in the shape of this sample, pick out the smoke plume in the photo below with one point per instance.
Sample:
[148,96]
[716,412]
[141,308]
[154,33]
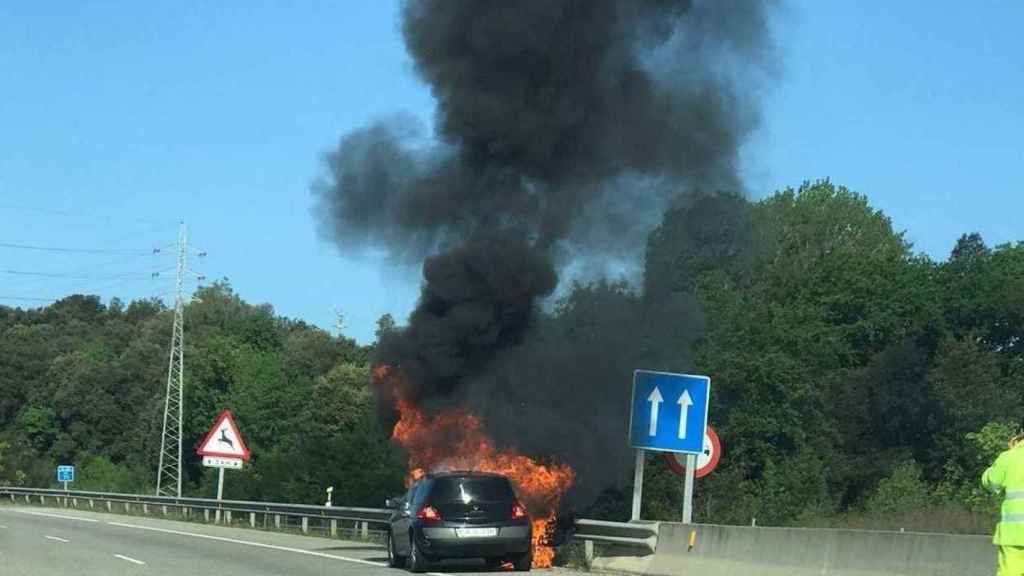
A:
[563,127]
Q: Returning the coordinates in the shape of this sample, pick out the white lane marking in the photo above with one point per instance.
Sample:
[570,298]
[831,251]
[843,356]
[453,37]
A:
[2,527]
[257,545]
[56,539]
[61,516]
[132,560]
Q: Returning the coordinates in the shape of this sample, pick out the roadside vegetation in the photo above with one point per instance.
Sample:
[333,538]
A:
[856,383]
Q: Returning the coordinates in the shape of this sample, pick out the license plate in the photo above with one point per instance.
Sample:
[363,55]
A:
[476,532]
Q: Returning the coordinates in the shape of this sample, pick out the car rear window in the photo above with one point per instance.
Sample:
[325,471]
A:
[472,489]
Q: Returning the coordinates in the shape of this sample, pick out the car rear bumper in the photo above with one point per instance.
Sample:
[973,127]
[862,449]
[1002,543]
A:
[443,542]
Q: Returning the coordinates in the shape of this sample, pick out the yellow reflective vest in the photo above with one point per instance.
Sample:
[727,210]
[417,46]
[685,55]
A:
[1006,475]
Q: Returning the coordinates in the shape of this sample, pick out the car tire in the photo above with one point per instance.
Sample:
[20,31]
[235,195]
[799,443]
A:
[394,560]
[417,563]
[523,563]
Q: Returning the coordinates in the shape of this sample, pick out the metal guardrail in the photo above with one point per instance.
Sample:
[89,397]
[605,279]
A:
[637,536]
[360,517]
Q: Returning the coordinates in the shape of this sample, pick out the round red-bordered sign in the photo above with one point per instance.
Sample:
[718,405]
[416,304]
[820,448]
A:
[706,461]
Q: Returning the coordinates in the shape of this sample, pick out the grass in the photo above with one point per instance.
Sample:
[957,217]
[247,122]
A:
[945,519]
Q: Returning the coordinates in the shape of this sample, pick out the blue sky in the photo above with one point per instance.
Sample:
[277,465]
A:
[118,119]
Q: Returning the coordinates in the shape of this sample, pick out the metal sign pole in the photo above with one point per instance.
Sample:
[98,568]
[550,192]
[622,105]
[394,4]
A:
[638,483]
[220,491]
[691,469]
[65,485]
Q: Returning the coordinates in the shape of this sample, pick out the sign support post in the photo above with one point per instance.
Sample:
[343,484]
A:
[220,491]
[691,468]
[638,483]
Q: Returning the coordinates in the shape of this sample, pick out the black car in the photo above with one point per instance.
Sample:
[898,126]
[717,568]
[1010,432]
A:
[459,515]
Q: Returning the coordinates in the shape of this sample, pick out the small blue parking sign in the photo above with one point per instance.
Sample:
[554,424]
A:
[670,411]
[65,474]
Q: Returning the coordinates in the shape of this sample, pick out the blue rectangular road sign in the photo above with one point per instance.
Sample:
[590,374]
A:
[65,473]
[670,411]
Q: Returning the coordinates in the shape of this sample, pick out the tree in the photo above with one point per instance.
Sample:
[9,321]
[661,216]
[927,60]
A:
[40,426]
[902,491]
[385,324]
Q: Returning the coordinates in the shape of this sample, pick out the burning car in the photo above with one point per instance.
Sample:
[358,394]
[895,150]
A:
[455,439]
[460,515]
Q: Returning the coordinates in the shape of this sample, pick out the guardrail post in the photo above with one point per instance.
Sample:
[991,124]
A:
[28,500]
[164,509]
[42,500]
[364,529]
[227,516]
[92,504]
[252,519]
[127,508]
[74,502]
[145,509]
[334,528]
[206,514]
[277,521]
[588,552]
[305,525]
[110,507]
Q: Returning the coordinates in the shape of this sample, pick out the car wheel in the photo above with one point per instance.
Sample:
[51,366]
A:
[524,562]
[417,563]
[394,560]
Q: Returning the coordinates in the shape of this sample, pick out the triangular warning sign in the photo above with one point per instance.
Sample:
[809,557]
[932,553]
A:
[224,439]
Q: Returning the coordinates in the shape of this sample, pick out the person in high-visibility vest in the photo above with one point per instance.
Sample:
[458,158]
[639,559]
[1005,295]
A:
[1006,476]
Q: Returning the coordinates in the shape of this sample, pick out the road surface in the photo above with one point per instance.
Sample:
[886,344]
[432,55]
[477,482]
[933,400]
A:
[60,542]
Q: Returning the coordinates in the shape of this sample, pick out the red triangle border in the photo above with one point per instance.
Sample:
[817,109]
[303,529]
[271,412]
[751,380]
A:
[225,415]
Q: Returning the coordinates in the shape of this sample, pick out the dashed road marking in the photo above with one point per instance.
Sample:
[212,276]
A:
[56,539]
[127,559]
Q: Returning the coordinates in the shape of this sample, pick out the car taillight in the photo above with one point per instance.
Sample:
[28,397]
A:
[518,511]
[429,514]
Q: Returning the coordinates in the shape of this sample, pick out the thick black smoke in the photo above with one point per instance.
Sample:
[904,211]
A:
[563,127]
[477,299]
[541,107]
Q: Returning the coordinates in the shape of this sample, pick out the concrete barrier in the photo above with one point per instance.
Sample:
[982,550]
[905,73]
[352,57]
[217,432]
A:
[748,551]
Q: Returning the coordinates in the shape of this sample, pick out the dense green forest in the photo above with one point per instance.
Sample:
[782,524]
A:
[851,376]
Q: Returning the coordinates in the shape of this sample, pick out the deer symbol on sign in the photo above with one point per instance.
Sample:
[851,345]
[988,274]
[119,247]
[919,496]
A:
[224,438]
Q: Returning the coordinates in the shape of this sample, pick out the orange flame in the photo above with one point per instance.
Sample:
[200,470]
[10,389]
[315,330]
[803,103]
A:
[456,440]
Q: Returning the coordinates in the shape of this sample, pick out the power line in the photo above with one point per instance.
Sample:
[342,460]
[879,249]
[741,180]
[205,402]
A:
[86,216]
[27,299]
[139,274]
[133,252]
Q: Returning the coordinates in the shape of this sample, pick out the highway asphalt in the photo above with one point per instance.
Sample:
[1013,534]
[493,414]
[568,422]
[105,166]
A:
[38,541]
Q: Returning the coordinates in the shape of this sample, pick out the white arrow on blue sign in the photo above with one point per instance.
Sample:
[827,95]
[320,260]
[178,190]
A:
[670,411]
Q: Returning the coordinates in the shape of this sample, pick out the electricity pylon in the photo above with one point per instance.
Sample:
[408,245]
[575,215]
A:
[168,480]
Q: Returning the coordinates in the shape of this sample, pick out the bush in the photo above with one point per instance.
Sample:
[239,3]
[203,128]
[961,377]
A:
[101,475]
[901,491]
[961,482]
